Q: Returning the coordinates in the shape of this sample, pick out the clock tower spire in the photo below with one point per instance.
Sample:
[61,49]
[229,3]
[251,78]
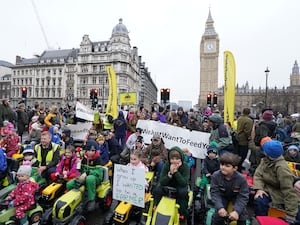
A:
[209,59]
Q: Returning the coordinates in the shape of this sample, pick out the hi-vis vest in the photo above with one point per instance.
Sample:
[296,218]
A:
[49,155]
[107,125]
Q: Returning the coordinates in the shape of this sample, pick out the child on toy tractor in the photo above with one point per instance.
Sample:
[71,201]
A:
[229,186]
[175,173]
[91,172]
[67,165]
[22,197]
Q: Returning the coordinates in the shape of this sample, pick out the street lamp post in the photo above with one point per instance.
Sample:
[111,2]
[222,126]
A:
[267,71]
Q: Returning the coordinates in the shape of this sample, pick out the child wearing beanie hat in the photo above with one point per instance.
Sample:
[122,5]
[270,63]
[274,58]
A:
[210,164]
[292,154]
[22,197]
[273,182]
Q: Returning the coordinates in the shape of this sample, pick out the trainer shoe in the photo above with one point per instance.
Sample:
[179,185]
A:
[91,206]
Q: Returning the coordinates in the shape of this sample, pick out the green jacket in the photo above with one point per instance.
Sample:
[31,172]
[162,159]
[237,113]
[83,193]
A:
[180,178]
[92,166]
[244,128]
[275,178]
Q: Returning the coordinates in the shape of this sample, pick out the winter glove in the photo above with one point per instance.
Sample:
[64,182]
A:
[11,204]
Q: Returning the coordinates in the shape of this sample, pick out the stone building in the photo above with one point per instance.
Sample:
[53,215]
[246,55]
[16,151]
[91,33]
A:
[62,77]
[5,79]
[285,100]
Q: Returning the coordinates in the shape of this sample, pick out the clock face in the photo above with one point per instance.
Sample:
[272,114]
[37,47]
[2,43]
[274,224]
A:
[210,46]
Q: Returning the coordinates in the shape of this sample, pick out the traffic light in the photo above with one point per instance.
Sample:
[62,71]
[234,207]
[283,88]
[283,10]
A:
[215,99]
[162,95]
[24,92]
[92,94]
[95,93]
[95,99]
[209,99]
[167,94]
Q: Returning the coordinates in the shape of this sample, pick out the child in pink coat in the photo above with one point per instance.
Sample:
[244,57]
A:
[22,197]
[11,143]
[67,165]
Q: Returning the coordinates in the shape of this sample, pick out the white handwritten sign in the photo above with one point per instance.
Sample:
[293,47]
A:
[129,185]
[79,130]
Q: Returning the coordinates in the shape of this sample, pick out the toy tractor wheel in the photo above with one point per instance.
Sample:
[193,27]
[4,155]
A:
[35,217]
[78,220]
[106,202]
[47,217]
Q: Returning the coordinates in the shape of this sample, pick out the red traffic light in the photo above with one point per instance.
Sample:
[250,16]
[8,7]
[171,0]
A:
[208,96]
[24,89]
[168,90]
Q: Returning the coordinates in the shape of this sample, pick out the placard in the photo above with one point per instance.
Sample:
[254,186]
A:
[129,185]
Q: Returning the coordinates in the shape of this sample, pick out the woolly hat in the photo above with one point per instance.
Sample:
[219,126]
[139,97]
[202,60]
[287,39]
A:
[28,150]
[100,138]
[140,139]
[273,149]
[293,147]
[264,140]
[267,115]
[156,137]
[105,133]
[215,118]
[36,126]
[25,169]
[34,118]
[212,148]
[91,145]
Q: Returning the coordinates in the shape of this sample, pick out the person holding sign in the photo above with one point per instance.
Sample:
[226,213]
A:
[155,154]
[175,173]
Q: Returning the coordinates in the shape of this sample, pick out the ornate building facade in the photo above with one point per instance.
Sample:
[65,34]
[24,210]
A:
[62,77]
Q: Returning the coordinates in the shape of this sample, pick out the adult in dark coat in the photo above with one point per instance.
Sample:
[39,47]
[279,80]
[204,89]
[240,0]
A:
[22,120]
[6,113]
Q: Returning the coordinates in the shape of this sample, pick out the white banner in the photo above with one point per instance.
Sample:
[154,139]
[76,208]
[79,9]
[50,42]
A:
[84,112]
[129,185]
[79,130]
[195,141]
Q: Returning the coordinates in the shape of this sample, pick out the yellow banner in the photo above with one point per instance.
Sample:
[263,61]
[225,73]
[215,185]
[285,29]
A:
[128,98]
[112,103]
[229,86]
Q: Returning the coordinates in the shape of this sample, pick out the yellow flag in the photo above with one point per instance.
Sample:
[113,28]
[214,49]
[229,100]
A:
[229,86]
[112,103]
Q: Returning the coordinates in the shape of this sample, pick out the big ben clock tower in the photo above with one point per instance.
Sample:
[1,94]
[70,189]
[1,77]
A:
[209,54]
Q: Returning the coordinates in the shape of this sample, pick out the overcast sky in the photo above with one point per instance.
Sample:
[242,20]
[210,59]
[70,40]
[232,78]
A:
[167,34]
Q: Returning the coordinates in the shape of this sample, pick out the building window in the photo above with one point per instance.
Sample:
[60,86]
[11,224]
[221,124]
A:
[60,71]
[102,68]
[49,72]
[43,82]
[53,81]
[94,69]
[48,82]
[94,80]
[54,71]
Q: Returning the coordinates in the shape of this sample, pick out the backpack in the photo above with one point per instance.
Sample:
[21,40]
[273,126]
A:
[262,131]
[3,161]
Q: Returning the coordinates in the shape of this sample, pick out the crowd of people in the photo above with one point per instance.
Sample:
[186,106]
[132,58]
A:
[121,141]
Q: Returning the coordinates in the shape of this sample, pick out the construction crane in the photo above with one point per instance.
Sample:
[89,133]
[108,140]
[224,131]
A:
[40,22]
